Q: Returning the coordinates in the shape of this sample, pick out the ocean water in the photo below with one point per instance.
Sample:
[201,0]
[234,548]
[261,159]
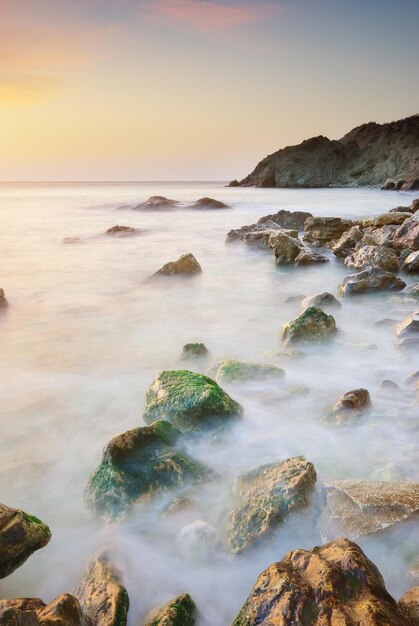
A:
[84,336]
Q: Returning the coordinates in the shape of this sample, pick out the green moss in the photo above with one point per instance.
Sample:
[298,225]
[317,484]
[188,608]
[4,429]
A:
[181,611]
[230,371]
[312,326]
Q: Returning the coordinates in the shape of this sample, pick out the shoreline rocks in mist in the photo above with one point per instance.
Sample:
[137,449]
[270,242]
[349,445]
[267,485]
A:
[180,611]
[268,494]
[21,535]
[185,265]
[373,279]
[64,610]
[232,371]
[209,203]
[313,325]
[161,203]
[189,401]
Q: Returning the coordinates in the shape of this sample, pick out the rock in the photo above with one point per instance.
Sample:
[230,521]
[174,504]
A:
[411,262]
[409,343]
[231,371]
[410,185]
[380,257]
[392,217]
[198,540]
[332,585]
[350,405]
[286,249]
[412,380]
[383,236]
[156,203]
[14,617]
[293,220]
[414,206]
[321,300]
[186,265]
[194,351]
[369,155]
[309,257]
[137,464]
[3,300]
[388,386]
[312,326]
[407,235]
[370,280]
[267,238]
[409,326]
[21,535]
[414,290]
[101,594]
[181,611]
[71,240]
[122,230]
[389,185]
[64,611]
[363,507]
[234,183]
[348,242]
[409,605]
[189,401]
[269,494]
[209,203]
[324,229]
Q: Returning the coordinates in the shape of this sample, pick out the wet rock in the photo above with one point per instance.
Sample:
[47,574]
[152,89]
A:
[156,203]
[14,617]
[101,594]
[348,242]
[414,206]
[186,265]
[231,371]
[407,235]
[350,406]
[332,585]
[21,535]
[181,611]
[409,326]
[209,203]
[3,300]
[194,351]
[189,401]
[324,229]
[411,262]
[122,230]
[312,326]
[267,238]
[392,217]
[363,507]
[321,300]
[409,605]
[137,464]
[309,257]
[380,257]
[286,249]
[269,494]
[370,280]
[69,240]
[198,540]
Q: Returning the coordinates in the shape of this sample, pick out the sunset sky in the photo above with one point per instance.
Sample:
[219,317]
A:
[193,89]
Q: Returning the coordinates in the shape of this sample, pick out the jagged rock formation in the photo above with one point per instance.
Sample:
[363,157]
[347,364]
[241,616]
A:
[370,154]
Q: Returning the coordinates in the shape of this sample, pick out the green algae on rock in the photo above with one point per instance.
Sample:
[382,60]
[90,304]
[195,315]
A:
[20,535]
[231,371]
[181,611]
[312,326]
[269,494]
[189,401]
[139,463]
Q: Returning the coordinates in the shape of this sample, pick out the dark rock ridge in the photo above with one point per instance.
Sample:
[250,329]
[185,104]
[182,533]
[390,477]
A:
[370,154]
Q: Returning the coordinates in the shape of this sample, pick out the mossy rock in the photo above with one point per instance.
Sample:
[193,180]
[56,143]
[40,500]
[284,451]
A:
[190,401]
[194,351]
[181,611]
[20,536]
[231,371]
[312,326]
[139,463]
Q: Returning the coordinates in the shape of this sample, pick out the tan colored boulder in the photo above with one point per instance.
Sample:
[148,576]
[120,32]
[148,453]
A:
[310,257]
[350,406]
[409,326]
[321,300]
[312,326]
[381,257]
[373,279]
[392,217]
[286,249]
[324,229]
[407,235]
[348,242]
[186,265]
[64,611]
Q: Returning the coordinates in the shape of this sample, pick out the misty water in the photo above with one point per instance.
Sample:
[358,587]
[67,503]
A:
[84,336]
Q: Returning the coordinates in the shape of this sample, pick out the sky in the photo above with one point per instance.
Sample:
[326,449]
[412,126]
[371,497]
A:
[193,89]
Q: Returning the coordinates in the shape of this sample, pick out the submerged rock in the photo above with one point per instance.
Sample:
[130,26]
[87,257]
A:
[209,203]
[194,351]
[21,535]
[68,240]
[381,257]
[122,230]
[321,300]
[411,262]
[409,326]
[231,371]
[189,401]
[370,280]
[332,585]
[186,265]
[156,203]
[325,229]
[101,594]
[269,494]
[363,507]
[138,463]
[3,300]
[312,326]
[350,405]
[181,611]
[198,540]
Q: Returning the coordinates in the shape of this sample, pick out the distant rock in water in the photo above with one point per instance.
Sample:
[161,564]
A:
[209,203]
[69,240]
[232,371]
[370,154]
[122,230]
[321,300]
[186,265]
[194,351]
[3,300]
[156,203]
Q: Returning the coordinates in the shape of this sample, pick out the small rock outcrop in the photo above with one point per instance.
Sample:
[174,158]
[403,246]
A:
[310,257]
[332,585]
[312,326]
[122,230]
[186,265]
[189,401]
[370,280]
[156,203]
[350,406]
[348,242]
[21,535]
[231,371]
[209,203]
[3,300]
[194,351]
[325,229]
[321,300]
[268,495]
[181,611]
[286,249]
[381,257]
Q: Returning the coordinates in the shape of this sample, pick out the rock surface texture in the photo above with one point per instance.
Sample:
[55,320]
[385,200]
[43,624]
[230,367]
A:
[312,326]
[181,611]
[370,280]
[231,371]
[186,265]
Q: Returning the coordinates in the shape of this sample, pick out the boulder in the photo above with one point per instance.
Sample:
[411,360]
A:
[409,605]
[348,241]
[350,405]
[286,249]
[231,371]
[407,235]
[321,300]
[411,262]
[156,203]
[137,464]
[383,236]
[101,594]
[414,206]
[324,229]
[21,535]
[198,540]
[373,279]
[269,494]
[181,611]
[209,203]
[194,351]
[332,585]
[189,401]
[63,611]
[186,265]
[380,257]
[3,300]
[122,230]
[409,326]
[309,257]
[413,380]
[312,326]
[392,217]
[357,508]
[293,220]
[267,238]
